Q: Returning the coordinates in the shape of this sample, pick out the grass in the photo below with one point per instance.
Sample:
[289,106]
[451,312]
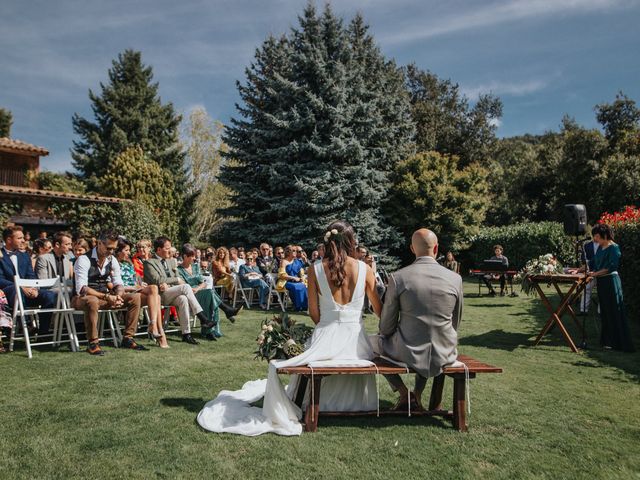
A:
[551,414]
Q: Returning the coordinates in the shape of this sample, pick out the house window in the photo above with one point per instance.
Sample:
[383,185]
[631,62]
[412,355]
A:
[12,176]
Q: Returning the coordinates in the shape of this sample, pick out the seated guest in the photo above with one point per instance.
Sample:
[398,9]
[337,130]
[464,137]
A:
[6,322]
[222,274]
[420,318]
[80,247]
[143,252]
[234,261]
[291,276]
[41,246]
[56,263]
[208,298]
[149,294]
[314,256]
[251,277]
[497,255]
[32,297]
[162,270]
[241,253]
[277,258]
[320,250]
[450,262]
[301,256]
[98,286]
[264,261]
[28,244]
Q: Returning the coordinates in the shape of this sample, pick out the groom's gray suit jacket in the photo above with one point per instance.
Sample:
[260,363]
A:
[420,316]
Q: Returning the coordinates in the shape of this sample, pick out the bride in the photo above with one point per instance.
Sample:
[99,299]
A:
[337,288]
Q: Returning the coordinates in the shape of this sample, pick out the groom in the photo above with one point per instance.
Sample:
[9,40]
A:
[420,317]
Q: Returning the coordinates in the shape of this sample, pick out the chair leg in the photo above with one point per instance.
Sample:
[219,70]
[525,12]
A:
[25,333]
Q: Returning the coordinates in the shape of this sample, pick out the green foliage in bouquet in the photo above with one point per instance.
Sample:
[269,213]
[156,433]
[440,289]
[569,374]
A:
[543,265]
[281,338]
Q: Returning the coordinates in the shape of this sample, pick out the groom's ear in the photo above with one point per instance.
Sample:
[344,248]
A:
[435,250]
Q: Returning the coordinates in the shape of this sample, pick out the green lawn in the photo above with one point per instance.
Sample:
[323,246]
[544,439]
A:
[551,414]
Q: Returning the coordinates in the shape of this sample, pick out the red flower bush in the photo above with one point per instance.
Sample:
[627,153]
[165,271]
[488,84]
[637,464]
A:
[630,214]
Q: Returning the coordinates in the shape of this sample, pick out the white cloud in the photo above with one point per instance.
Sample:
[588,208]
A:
[506,88]
[490,14]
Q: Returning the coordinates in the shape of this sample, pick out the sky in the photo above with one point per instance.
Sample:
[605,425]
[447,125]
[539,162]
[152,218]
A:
[543,58]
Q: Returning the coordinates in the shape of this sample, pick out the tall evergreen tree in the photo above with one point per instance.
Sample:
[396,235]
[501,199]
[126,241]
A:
[6,121]
[128,112]
[324,120]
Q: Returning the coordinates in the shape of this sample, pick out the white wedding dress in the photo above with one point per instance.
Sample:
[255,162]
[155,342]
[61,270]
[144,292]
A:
[338,340]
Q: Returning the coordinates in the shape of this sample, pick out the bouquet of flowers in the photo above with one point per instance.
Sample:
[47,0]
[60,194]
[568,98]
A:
[281,338]
[543,265]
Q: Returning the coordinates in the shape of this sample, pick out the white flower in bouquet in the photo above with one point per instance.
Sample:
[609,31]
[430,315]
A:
[264,328]
[290,342]
[270,328]
[269,340]
[261,338]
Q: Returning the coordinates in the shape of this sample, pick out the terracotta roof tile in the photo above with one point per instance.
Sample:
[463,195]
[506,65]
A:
[53,195]
[13,145]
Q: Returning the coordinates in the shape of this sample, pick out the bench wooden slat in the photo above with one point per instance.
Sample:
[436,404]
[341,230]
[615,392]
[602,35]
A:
[386,368]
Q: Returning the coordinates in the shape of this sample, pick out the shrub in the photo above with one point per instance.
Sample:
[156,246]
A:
[628,237]
[522,242]
[131,219]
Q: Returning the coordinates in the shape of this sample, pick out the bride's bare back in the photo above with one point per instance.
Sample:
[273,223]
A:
[343,294]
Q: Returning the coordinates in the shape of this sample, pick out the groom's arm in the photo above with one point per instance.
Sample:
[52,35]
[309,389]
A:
[457,312]
[390,309]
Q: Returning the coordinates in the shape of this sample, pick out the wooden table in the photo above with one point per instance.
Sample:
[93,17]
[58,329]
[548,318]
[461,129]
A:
[577,283]
[457,416]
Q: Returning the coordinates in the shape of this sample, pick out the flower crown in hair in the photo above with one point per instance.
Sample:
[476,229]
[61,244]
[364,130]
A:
[333,232]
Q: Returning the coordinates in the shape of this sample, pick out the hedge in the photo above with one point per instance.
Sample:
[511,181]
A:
[521,243]
[628,237]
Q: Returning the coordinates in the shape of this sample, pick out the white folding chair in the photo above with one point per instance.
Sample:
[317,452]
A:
[246,292]
[107,319]
[62,315]
[281,297]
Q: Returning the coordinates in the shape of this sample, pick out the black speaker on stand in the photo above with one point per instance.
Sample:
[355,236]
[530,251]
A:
[575,225]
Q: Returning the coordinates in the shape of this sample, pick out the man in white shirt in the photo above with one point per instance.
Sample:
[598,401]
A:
[98,286]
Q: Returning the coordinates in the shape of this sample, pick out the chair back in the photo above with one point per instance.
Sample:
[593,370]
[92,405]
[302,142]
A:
[53,284]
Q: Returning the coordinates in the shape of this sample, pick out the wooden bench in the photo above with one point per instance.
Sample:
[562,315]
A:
[458,415]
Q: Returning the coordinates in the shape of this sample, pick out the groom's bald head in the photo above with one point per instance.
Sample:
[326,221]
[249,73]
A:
[424,243]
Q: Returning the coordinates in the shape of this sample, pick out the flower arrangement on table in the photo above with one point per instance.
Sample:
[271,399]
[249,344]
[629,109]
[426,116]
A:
[543,265]
[281,338]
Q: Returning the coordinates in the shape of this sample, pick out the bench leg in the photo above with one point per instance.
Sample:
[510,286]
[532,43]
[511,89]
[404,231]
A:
[302,389]
[459,404]
[313,409]
[435,401]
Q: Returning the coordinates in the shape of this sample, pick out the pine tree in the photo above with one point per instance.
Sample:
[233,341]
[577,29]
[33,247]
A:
[6,121]
[323,121]
[127,112]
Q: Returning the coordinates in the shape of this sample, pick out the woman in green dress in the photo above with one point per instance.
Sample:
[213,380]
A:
[615,331]
[207,298]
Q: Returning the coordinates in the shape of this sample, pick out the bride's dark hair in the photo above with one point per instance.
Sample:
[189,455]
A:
[339,243]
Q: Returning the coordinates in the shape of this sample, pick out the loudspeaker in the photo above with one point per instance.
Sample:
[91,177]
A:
[575,219]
